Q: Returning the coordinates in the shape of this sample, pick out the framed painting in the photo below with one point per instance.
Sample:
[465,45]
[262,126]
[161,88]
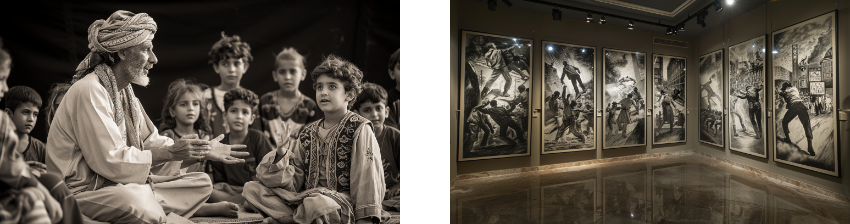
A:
[711,103]
[669,74]
[746,97]
[573,202]
[624,82]
[495,82]
[569,102]
[805,110]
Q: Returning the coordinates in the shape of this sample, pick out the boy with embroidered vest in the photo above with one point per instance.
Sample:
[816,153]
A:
[230,58]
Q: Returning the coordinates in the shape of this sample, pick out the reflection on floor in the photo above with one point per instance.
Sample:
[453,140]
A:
[678,189]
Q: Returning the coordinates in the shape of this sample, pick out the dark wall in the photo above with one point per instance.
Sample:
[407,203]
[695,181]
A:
[475,16]
[763,20]
[48,40]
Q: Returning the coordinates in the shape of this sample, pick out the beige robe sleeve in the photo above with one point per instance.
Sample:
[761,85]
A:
[367,174]
[288,173]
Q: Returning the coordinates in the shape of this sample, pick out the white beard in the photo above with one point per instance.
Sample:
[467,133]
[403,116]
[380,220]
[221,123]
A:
[141,80]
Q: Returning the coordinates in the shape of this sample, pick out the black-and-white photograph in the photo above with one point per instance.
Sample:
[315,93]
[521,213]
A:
[624,198]
[499,208]
[746,97]
[573,202]
[668,100]
[749,204]
[625,106]
[569,101]
[711,82]
[803,73]
[495,91]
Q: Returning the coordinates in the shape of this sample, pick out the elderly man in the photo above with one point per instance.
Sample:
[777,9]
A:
[105,146]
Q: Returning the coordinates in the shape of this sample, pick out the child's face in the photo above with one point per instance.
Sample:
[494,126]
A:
[231,70]
[24,117]
[288,75]
[331,94]
[395,73]
[239,116]
[375,112]
[5,68]
[187,109]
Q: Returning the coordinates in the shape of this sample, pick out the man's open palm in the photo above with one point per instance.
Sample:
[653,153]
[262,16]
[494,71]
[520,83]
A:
[222,153]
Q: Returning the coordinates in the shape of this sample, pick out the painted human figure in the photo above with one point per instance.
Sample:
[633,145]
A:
[666,102]
[624,119]
[614,106]
[754,109]
[795,107]
[735,112]
[494,59]
[482,124]
[517,65]
[522,101]
[569,118]
[504,118]
[574,75]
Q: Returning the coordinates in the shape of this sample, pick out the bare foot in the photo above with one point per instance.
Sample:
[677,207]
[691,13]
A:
[218,209]
[270,220]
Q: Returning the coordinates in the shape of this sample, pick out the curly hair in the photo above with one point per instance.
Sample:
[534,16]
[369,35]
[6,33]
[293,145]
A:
[230,47]
[335,67]
[176,90]
[55,90]
[372,93]
[291,54]
[241,94]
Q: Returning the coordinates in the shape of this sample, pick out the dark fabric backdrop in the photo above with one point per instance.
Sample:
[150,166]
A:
[48,40]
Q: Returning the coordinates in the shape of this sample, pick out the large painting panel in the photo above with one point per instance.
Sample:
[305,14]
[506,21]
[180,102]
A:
[803,77]
[625,108]
[573,202]
[711,98]
[495,83]
[569,101]
[668,81]
[746,102]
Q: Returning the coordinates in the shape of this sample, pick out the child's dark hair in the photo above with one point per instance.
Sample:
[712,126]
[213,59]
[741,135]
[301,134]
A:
[372,93]
[55,90]
[21,94]
[176,90]
[230,47]
[335,67]
[241,94]
[394,59]
[291,54]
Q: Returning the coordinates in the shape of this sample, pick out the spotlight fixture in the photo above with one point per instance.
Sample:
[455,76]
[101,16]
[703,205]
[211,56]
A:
[631,25]
[682,27]
[508,2]
[556,14]
[602,20]
[701,17]
[730,2]
[669,30]
[491,4]
[717,6]
[589,18]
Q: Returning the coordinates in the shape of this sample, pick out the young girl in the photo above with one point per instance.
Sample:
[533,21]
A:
[182,114]
[57,92]
[286,110]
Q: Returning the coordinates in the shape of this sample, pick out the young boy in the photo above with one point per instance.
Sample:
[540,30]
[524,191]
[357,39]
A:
[228,179]
[372,104]
[393,98]
[333,170]
[230,58]
[286,110]
[22,105]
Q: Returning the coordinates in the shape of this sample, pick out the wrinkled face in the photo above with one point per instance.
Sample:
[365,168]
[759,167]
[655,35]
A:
[375,112]
[5,68]
[288,75]
[231,70]
[187,109]
[239,116]
[395,73]
[24,117]
[139,59]
[331,94]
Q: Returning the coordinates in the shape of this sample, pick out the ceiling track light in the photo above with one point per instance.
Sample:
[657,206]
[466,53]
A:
[631,25]
[589,18]
[556,14]
[602,20]
[669,30]
[681,27]
[491,4]
[508,2]
[717,6]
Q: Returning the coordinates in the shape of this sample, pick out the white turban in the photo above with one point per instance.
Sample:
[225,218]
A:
[122,29]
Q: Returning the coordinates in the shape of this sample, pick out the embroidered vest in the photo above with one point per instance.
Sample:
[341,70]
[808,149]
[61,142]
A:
[337,152]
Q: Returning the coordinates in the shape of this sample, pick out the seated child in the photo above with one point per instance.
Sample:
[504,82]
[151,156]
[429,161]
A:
[56,93]
[286,110]
[230,58]
[182,115]
[395,93]
[228,179]
[372,104]
[332,173]
[26,198]
[22,105]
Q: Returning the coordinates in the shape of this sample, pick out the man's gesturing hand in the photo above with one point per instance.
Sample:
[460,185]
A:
[189,147]
[222,153]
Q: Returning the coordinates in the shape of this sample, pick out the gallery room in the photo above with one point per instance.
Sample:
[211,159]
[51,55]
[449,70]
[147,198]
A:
[673,111]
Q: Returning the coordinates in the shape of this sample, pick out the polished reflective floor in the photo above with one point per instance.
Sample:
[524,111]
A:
[681,189]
